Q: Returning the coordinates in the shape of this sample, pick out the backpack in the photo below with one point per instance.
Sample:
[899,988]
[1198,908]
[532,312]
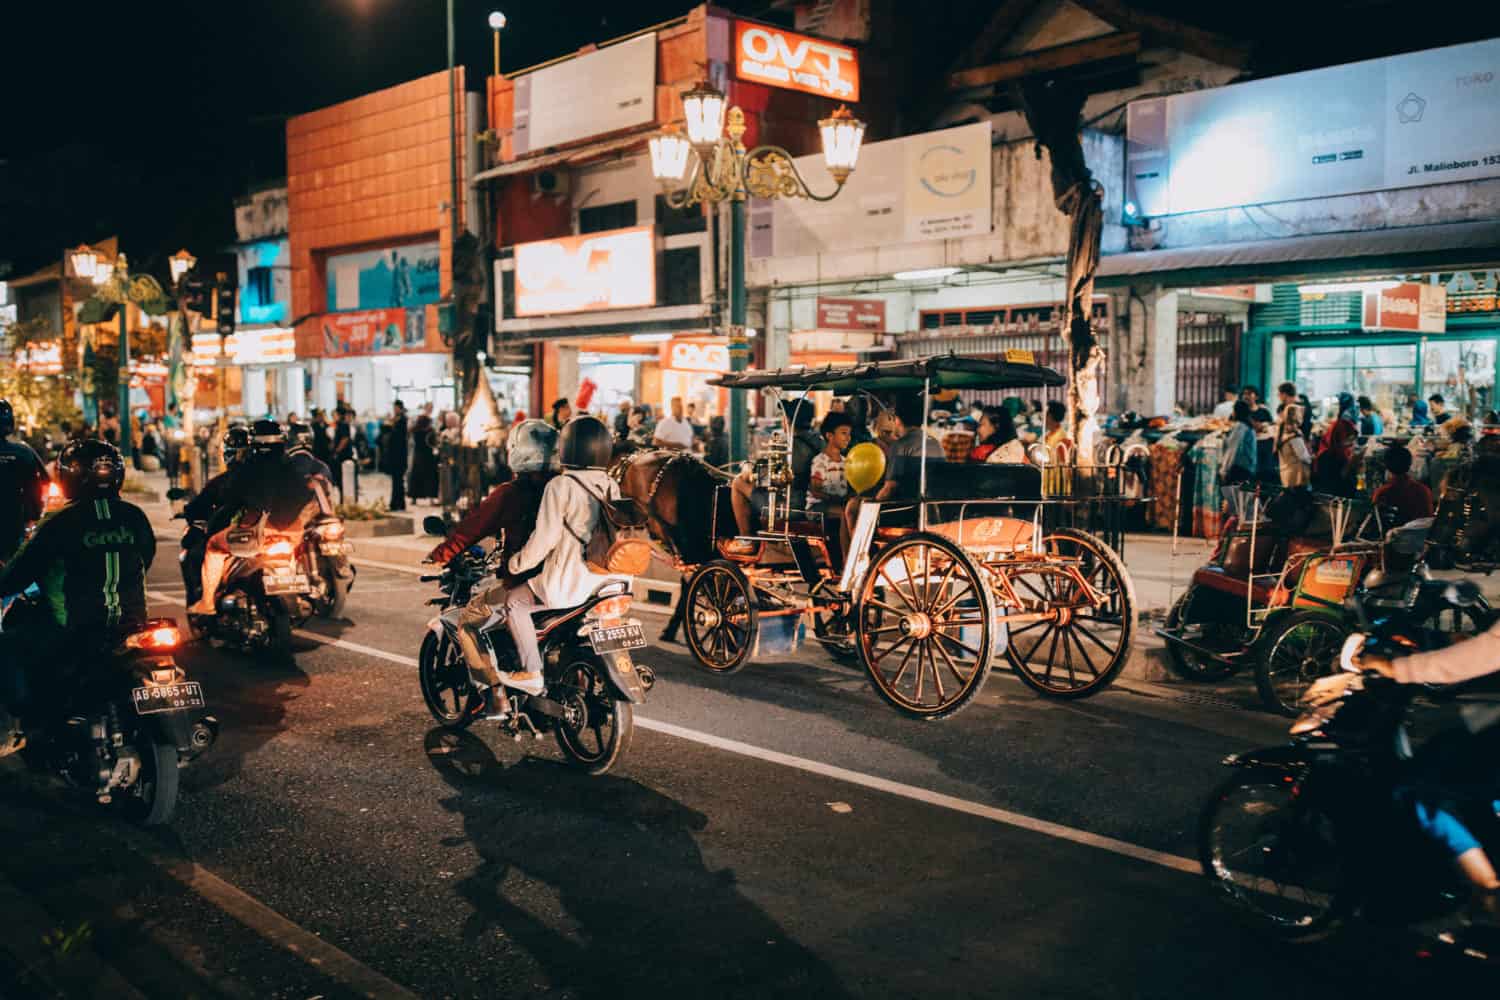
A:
[620,545]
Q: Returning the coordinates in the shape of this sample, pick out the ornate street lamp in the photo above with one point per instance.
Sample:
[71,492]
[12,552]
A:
[85,261]
[722,169]
[181,263]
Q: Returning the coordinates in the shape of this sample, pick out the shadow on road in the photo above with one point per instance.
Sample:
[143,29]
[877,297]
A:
[602,882]
[249,696]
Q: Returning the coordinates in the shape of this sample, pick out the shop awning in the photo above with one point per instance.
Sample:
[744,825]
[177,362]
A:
[944,371]
[1459,245]
[564,157]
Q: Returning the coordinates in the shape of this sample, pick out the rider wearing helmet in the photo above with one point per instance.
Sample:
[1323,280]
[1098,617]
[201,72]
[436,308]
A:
[204,507]
[265,485]
[89,558]
[313,470]
[569,513]
[509,512]
[22,480]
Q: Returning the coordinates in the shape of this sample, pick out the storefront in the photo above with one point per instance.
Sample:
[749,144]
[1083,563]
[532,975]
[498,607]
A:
[1341,340]
[369,359]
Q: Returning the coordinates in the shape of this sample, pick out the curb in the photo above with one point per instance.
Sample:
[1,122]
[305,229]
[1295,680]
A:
[81,974]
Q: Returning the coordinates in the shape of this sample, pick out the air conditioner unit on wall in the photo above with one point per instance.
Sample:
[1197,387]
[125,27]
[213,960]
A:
[549,182]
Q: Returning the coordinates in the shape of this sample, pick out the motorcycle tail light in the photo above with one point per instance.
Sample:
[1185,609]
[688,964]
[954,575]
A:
[332,531]
[158,637]
[281,547]
[614,607]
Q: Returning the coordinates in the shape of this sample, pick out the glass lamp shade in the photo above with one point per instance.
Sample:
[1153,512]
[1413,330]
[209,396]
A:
[103,271]
[181,263]
[703,111]
[669,156]
[842,135]
[497,20]
[85,261]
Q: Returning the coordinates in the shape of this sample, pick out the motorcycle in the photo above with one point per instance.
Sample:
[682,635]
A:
[264,591]
[126,724]
[1306,835]
[324,555]
[592,682]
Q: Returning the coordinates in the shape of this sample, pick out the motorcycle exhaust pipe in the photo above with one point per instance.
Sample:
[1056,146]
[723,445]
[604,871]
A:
[205,734]
[647,676]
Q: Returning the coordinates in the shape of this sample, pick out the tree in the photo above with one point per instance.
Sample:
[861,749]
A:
[39,400]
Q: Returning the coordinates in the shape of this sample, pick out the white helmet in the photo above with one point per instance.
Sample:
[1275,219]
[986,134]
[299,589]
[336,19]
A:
[533,447]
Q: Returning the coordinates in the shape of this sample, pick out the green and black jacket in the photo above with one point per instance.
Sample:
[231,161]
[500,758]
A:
[90,560]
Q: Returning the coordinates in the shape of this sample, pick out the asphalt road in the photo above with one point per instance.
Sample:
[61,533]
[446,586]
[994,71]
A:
[776,833]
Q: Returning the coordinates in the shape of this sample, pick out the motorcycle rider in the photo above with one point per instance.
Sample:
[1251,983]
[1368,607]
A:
[314,471]
[509,512]
[22,481]
[90,559]
[205,506]
[570,512]
[1451,768]
[265,487]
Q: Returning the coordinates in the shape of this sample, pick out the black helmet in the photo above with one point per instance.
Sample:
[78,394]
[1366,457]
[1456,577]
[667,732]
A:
[236,445]
[267,439]
[91,470]
[585,443]
[299,437]
[7,419]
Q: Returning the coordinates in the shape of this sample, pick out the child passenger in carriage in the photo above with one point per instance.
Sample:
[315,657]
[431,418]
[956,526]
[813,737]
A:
[827,489]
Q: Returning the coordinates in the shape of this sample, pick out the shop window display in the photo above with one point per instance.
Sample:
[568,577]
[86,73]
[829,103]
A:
[1387,373]
[1463,373]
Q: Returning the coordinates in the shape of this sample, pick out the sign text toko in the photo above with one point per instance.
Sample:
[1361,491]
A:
[781,58]
[1413,307]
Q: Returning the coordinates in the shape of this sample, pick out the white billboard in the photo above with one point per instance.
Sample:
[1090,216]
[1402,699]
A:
[592,271]
[932,186]
[1423,118]
[604,91]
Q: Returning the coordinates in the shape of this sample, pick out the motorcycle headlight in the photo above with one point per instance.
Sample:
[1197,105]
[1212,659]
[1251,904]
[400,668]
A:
[281,548]
[331,531]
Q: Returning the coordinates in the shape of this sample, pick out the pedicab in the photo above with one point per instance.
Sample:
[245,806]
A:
[981,563]
[1273,593]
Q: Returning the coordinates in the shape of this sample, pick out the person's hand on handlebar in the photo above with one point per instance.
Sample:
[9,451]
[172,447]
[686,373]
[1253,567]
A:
[1375,664]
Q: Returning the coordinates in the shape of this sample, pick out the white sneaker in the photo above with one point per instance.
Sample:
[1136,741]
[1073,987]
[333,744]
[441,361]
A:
[529,681]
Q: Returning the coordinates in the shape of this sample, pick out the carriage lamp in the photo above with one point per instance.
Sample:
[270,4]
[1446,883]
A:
[181,263]
[85,261]
[711,165]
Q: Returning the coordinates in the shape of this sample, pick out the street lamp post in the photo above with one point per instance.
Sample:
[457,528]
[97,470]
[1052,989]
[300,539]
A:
[497,22]
[724,170]
[181,263]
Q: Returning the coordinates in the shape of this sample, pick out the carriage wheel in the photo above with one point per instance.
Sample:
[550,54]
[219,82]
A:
[1083,645]
[924,626]
[719,617]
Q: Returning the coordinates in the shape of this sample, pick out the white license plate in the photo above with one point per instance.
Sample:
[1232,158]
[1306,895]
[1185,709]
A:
[614,638]
[168,697]
[286,583]
[335,548]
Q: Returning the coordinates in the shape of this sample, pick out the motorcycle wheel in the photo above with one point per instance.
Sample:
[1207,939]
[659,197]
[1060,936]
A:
[444,678]
[153,798]
[1184,663]
[598,727]
[1274,858]
[280,641]
[338,592]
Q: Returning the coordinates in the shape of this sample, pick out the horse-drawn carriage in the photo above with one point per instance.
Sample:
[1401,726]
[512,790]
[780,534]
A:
[982,562]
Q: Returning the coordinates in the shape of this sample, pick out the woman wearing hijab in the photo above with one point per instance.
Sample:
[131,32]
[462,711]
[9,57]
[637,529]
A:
[422,481]
[1238,463]
[1331,467]
[1293,455]
[1419,414]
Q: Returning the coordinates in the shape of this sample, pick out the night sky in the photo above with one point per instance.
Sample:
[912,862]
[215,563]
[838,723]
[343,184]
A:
[146,119]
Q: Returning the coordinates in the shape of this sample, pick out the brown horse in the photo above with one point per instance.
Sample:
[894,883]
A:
[684,500]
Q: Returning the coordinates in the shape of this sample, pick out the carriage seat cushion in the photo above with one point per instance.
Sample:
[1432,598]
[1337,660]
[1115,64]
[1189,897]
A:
[1235,586]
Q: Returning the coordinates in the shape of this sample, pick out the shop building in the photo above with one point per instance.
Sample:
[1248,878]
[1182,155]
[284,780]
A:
[1354,251]
[370,245]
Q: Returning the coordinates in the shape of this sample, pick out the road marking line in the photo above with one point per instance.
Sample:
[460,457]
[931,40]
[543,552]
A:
[918,794]
[260,918]
[914,792]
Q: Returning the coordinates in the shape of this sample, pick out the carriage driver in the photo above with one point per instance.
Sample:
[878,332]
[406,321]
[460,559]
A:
[806,444]
[570,511]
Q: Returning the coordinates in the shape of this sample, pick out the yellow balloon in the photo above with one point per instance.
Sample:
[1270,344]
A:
[863,466]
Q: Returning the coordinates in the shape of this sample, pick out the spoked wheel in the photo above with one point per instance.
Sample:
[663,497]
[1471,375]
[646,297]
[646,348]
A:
[596,729]
[1184,662]
[1275,857]
[151,800]
[1086,592]
[444,677]
[720,618]
[1296,650]
[924,626]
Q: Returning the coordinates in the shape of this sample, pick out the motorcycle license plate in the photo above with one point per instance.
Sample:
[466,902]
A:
[615,638]
[335,548]
[286,582]
[168,697]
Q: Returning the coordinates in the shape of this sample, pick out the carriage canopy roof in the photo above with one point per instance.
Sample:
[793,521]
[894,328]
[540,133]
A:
[1015,370]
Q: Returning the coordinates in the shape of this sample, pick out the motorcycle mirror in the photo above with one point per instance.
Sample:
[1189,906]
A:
[177,493]
[1462,594]
[434,525]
